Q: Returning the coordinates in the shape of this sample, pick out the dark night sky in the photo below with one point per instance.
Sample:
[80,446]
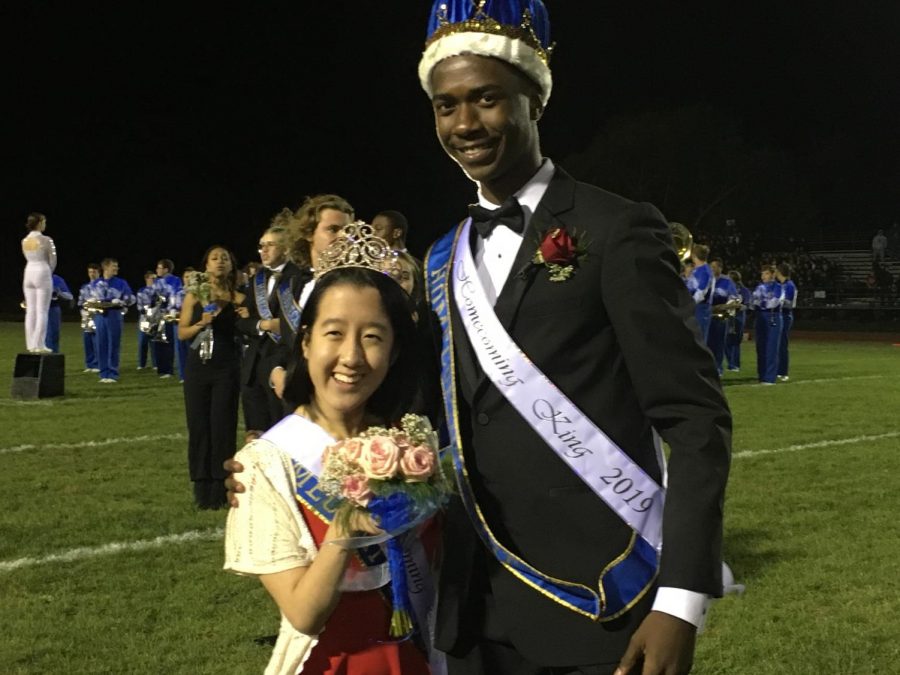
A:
[145,132]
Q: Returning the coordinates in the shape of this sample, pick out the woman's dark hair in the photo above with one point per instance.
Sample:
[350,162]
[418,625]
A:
[34,221]
[231,282]
[401,384]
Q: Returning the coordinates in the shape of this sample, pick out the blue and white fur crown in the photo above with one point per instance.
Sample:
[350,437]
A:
[515,31]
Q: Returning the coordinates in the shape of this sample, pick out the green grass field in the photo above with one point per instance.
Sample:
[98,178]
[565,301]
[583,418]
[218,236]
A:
[106,566]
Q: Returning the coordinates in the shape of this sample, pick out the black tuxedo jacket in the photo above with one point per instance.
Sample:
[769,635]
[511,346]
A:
[620,339]
[263,353]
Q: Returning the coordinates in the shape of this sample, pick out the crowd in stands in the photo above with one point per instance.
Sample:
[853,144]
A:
[744,253]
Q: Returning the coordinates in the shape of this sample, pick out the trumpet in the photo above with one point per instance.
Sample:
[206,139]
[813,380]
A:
[682,241]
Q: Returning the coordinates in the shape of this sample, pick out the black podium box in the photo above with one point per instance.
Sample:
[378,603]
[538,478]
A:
[39,376]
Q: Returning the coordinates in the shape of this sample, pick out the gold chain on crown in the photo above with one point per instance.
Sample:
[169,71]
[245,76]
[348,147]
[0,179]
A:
[482,23]
[356,246]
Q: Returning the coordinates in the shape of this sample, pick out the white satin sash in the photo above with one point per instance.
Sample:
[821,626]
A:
[623,485]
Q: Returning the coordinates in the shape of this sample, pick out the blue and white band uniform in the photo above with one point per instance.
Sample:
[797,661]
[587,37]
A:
[724,292]
[114,290]
[767,301]
[54,319]
[146,299]
[168,287]
[88,333]
[789,296]
[117,292]
[788,303]
[700,285]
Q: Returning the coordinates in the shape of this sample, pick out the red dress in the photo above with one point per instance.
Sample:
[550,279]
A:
[356,639]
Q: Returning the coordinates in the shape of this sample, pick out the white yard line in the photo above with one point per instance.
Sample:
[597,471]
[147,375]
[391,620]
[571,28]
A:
[86,552]
[210,535]
[91,444]
[790,383]
[815,444]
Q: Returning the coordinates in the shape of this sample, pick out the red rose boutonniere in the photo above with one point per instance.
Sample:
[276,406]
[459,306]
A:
[560,252]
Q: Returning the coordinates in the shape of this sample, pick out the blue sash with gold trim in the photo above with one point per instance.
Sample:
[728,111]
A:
[289,309]
[261,294]
[624,580]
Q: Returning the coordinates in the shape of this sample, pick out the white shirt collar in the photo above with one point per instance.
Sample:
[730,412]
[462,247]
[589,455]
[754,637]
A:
[279,268]
[530,194]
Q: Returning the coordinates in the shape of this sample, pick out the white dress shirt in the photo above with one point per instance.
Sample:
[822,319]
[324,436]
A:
[494,254]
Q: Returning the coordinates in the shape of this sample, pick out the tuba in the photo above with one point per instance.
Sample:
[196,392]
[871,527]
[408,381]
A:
[682,241]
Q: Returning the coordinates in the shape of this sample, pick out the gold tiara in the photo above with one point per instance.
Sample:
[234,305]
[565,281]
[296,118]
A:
[356,246]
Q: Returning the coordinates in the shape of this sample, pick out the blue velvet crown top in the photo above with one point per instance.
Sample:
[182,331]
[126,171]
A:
[506,13]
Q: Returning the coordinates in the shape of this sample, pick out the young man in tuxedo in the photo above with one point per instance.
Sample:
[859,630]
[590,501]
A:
[585,285]
[272,287]
[311,229]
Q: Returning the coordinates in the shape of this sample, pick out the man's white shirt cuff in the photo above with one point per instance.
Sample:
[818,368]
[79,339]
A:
[687,605]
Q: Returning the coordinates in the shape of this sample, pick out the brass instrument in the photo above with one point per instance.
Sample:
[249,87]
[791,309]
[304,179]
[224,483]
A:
[87,322]
[683,241]
[727,310]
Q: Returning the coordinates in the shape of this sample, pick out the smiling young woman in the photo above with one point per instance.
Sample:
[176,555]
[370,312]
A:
[354,365]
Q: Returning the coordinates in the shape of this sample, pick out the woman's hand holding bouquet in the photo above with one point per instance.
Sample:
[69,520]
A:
[395,476]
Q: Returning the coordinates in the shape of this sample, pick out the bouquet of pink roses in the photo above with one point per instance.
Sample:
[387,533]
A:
[395,475]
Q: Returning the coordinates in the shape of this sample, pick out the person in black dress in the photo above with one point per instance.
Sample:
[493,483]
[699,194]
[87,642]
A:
[212,373]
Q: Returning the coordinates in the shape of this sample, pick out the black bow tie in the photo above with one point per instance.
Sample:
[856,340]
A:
[510,214]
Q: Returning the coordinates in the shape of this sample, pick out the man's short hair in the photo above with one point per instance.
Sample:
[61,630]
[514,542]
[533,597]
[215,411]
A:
[784,269]
[701,251]
[108,261]
[94,266]
[397,220]
[718,260]
[165,262]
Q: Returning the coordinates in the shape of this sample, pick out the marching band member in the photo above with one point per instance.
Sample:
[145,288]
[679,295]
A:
[725,298]
[112,296]
[146,300]
[767,301]
[174,310]
[88,326]
[37,284]
[167,287]
[735,333]
[687,268]
[700,284]
[788,303]
[54,315]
